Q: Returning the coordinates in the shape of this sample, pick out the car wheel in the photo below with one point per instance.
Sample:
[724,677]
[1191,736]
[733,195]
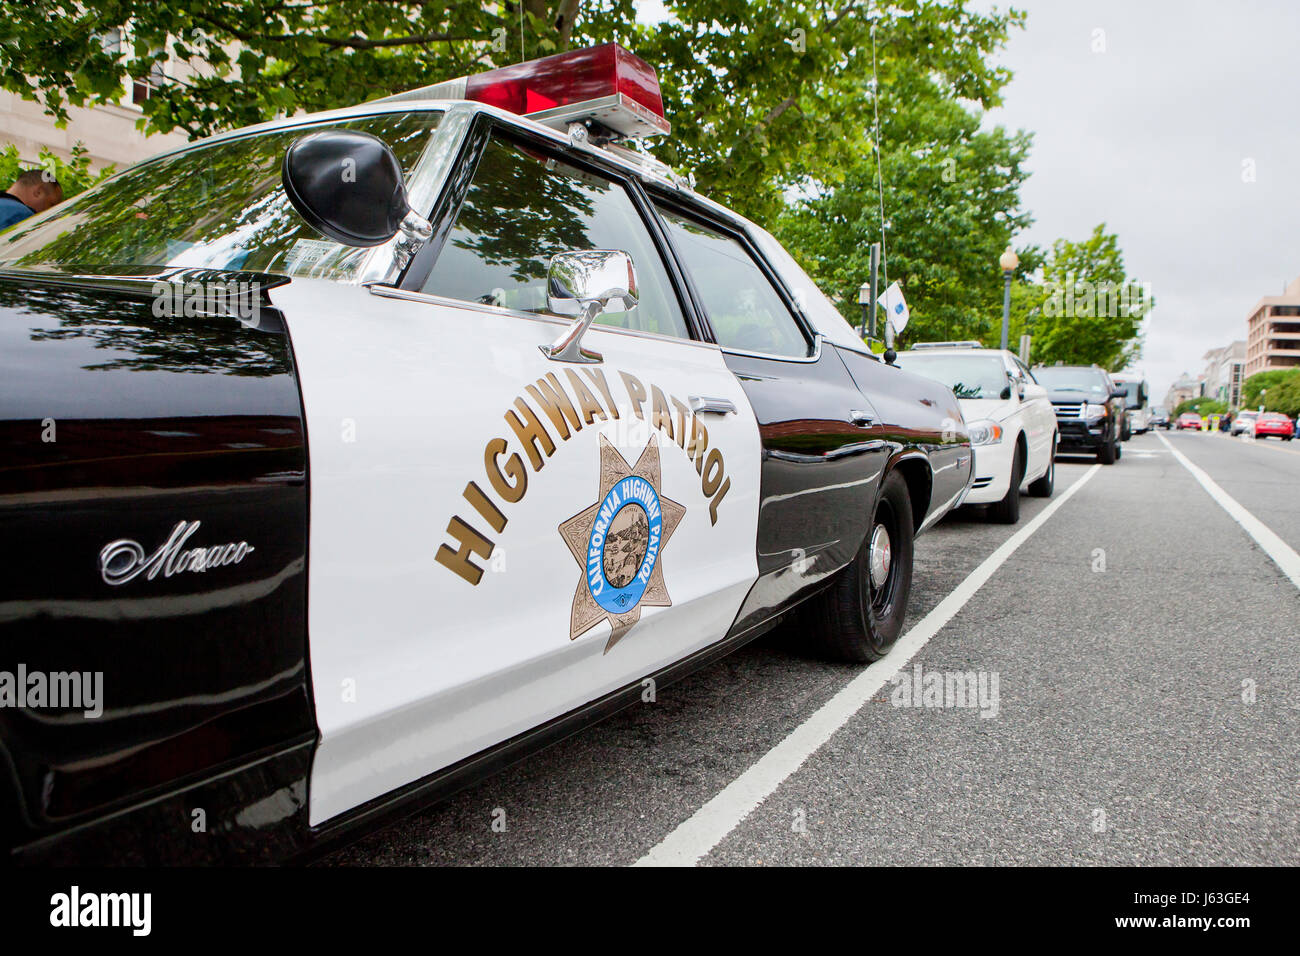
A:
[860,616]
[1119,452]
[1045,484]
[1106,453]
[1007,511]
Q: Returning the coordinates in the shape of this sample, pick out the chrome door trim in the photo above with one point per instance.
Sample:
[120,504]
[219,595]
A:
[429,298]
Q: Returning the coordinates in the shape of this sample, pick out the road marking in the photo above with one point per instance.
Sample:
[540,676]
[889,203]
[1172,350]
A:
[709,825]
[1283,554]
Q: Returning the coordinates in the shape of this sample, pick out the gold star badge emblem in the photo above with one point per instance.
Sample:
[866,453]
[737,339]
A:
[617,543]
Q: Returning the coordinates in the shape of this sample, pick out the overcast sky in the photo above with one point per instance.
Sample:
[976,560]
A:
[1150,137]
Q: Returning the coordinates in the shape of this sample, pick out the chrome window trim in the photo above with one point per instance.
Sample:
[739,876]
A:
[382,263]
[812,358]
[429,298]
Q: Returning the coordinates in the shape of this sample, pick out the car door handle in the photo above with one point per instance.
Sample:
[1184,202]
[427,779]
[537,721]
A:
[717,406]
[861,417]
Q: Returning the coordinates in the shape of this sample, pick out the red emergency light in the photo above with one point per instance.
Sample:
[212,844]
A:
[605,84]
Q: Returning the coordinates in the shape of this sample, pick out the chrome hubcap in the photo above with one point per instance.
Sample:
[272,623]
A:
[881,555]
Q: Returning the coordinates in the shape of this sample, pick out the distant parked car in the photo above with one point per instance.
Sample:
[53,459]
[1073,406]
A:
[1159,418]
[1244,423]
[1012,423]
[1089,409]
[1274,423]
[1189,420]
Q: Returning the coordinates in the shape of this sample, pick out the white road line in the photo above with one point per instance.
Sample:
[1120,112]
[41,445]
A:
[710,824]
[1283,554]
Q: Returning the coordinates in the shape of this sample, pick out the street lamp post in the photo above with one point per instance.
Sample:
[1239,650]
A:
[1008,261]
[867,295]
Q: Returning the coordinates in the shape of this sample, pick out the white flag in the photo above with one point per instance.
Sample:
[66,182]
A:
[895,307]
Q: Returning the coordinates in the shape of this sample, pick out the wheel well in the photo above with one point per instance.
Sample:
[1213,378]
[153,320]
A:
[1023,444]
[916,473]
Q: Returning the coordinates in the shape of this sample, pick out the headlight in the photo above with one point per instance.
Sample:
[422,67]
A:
[984,432]
[1094,412]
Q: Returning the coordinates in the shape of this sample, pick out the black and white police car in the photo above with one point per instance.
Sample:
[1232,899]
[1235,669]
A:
[350,457]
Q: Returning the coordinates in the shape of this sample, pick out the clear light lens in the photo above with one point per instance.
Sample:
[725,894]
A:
[984,432]
[1094,412]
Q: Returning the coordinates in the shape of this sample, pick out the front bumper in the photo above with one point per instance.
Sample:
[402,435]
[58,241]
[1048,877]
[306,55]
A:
[992,470]
[1078,435]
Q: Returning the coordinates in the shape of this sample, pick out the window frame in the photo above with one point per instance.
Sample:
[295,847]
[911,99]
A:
[484,128]
[735,230]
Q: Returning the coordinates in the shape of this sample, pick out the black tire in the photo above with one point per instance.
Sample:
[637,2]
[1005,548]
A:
[1007,511]
[854,619]
[1106,453]
[1119,452]
[1045,484]
[1125,433]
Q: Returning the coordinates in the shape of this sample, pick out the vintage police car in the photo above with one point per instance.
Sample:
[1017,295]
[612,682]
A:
[358,454]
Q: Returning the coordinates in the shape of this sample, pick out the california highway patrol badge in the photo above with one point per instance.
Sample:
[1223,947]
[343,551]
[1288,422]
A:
[618,542]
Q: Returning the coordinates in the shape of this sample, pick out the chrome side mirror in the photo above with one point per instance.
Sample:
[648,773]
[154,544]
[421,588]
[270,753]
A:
[585,284]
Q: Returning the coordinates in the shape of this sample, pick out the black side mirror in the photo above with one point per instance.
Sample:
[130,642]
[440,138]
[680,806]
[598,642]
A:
[1005,393]
[1119,393]
[347,185]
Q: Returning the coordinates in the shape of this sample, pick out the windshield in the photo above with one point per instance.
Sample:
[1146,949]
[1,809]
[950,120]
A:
[216,206]
[1064,378]
[969,376]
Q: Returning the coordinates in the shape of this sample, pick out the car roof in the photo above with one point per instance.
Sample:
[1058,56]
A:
[961,350]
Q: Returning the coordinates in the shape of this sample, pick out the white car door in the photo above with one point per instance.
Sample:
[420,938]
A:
[498,538]
[1039,421]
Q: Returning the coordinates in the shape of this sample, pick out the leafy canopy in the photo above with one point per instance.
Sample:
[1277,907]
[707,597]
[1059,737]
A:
[762,94]
[1257,383]
[73,175]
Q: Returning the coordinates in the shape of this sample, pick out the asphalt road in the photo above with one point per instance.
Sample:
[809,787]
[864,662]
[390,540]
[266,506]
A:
[1147,661]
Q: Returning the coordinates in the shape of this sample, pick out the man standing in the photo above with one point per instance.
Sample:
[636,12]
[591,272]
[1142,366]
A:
[31,193]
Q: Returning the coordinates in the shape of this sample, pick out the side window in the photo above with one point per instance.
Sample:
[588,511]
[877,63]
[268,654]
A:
[745,311]
[522,208]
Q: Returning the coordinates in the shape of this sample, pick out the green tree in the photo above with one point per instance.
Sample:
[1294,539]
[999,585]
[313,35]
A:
[762,94]
[1090,309]
[1202,406]
[951,205]
[73,175]
[1255,384]
[1284,397]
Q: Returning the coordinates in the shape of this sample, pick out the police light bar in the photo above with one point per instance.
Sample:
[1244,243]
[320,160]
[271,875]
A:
[603,84]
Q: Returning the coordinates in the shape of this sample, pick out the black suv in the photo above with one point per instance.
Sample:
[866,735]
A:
[1089,409]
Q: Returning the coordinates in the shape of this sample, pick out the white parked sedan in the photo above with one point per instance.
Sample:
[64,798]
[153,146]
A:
[1011,421]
